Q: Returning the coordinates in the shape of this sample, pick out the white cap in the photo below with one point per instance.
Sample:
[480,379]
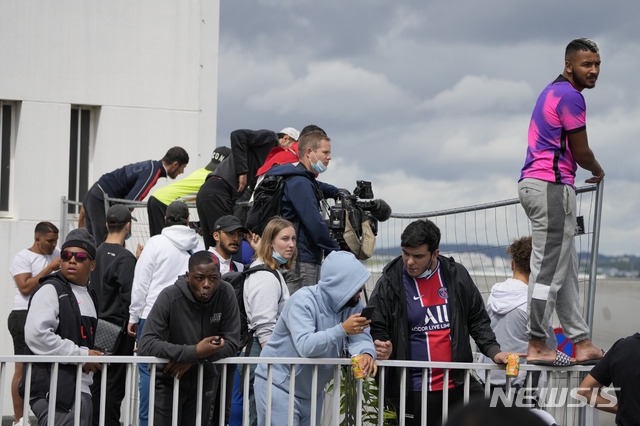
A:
[293,133]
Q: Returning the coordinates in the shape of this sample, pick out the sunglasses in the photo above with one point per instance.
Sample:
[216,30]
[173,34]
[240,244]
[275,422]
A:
[66,256]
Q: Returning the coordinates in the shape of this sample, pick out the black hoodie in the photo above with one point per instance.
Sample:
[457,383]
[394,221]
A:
[177,322]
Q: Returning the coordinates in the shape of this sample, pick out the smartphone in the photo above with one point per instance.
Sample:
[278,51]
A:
[367,312]
[216,342]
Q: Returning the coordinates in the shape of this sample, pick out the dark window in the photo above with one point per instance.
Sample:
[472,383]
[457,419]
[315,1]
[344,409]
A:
[79,143]
[6,120]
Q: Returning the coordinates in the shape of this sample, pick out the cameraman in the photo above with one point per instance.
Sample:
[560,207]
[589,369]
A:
[301,206]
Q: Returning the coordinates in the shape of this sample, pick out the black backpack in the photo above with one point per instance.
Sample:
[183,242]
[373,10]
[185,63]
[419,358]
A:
[236,279]
[267,202]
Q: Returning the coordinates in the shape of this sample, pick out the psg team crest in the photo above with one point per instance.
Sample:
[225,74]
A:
[442,292]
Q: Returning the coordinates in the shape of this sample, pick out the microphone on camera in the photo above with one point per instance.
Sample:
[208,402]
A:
[379,209]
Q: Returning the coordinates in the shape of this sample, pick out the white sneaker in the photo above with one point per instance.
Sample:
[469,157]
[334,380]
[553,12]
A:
[21,423]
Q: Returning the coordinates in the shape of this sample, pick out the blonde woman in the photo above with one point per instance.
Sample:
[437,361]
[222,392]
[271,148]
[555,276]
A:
[265,291]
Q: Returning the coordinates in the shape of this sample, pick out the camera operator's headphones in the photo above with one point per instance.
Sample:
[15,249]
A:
[363,246]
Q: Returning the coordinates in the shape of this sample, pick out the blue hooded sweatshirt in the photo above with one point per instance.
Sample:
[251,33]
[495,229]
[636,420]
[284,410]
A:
[310,325]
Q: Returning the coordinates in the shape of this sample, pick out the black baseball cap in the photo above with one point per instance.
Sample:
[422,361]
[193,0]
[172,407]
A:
[119,214]
[229,223]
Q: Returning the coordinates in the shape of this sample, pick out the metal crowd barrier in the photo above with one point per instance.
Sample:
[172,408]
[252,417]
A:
[568,378]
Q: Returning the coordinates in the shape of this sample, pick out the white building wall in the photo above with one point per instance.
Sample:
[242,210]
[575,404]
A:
[149,69]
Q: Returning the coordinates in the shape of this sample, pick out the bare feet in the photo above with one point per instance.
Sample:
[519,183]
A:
[586,351]
[539,351]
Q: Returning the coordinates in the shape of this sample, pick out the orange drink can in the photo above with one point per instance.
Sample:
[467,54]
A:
[358,372]
[513,365]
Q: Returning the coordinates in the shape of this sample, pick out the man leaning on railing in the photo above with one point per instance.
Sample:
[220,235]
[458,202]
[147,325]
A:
[61,321]
[425,308]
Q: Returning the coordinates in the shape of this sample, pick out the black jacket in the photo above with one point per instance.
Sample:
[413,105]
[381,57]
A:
[177,322]
[468,317]
[72,326]
[249,149]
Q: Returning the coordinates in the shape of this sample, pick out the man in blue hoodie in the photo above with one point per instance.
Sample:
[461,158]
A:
[320,321]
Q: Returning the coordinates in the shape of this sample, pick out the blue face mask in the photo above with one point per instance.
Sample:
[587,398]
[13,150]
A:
[318,167]
[427,271]
[128,236]
[281,260]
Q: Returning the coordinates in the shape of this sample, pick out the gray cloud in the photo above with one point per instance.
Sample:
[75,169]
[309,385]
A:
[431,100]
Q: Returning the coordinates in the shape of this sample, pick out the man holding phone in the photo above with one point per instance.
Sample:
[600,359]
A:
[319,321]
[199,304]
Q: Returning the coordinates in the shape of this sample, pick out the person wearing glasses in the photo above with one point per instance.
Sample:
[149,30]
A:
[61,321]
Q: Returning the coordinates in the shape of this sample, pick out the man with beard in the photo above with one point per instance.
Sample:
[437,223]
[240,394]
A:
[426,308]
[131,182]
[199,304]
[228,234]
[557,146]
[319,321]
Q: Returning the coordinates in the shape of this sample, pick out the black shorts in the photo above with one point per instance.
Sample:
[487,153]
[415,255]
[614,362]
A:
[16,322]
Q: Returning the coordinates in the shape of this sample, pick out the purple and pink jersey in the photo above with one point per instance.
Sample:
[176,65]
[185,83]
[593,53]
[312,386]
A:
[559,111]
[429,327]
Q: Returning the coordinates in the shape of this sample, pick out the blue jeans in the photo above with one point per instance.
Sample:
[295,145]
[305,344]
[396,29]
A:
[143,384]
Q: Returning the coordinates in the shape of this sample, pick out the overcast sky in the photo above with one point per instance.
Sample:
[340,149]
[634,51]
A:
[431,100]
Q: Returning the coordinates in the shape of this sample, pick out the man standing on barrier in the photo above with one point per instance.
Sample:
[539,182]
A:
[131,182]
[426,307]
[195,320]
[557,145]
[321,321]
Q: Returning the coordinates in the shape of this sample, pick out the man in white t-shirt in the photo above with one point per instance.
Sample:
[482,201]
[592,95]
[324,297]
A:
[29,265]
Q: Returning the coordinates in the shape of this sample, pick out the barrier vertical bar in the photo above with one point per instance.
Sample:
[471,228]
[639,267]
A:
[269,388]
[27,390]
[335,411]
[199,392]
[127,398]
[359,383]
[174,401]
[445,396]
[314,394]
[3,367]
[152,393]
[403,395]
[223,393]
[245,390]
[53,394]
[63,219]
[382,372]
[103,392]
[595,244]
[77,399]
[292,393]
[423,401]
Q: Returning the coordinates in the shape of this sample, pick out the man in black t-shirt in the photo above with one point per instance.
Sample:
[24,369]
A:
[112,280]
[620,366]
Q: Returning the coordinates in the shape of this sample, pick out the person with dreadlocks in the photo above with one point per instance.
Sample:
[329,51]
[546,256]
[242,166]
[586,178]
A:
[193,321]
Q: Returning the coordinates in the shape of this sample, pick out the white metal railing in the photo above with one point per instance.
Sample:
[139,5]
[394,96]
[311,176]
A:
[567,379]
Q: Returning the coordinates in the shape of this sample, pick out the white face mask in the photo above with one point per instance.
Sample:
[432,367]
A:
[317,167]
